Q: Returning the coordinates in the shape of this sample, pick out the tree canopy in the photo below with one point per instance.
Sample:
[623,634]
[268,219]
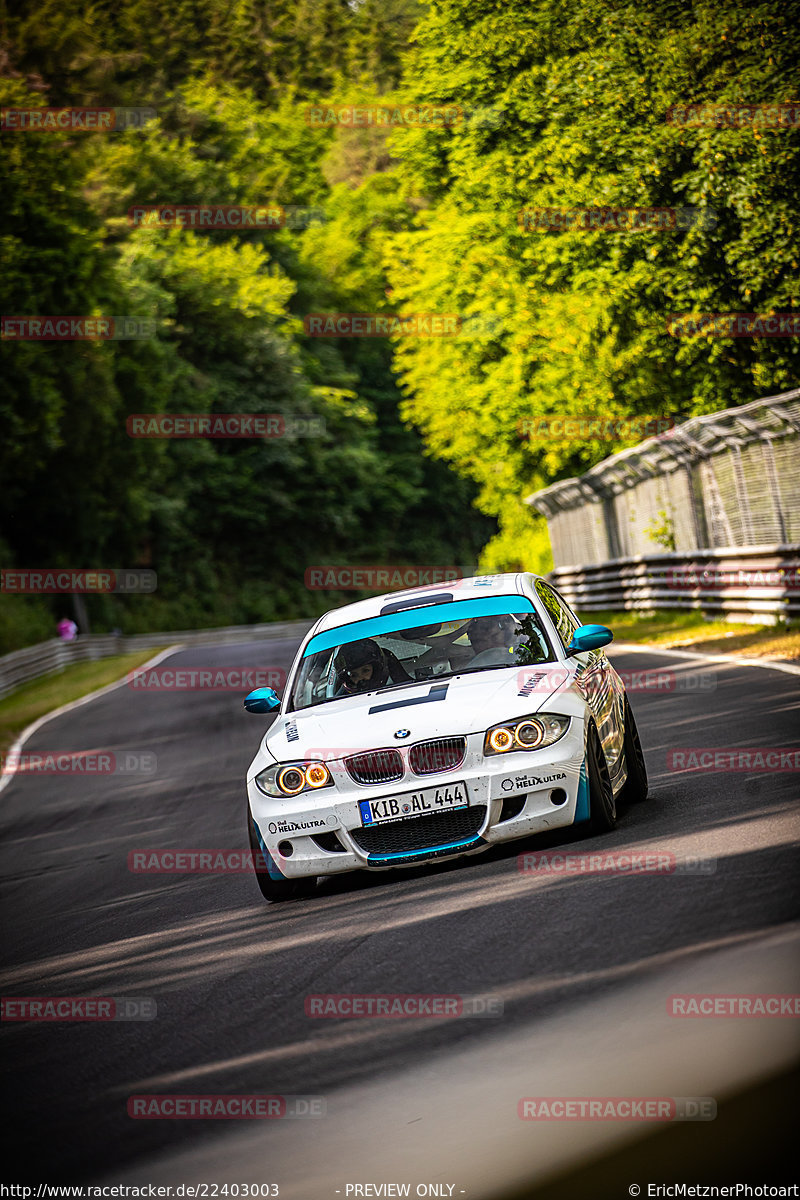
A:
[423,458]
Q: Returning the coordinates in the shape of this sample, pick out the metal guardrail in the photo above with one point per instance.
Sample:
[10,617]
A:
[46,658]
[754,584]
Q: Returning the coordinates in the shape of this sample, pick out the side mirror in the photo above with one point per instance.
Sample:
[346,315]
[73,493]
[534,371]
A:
[589,637]
[262,700]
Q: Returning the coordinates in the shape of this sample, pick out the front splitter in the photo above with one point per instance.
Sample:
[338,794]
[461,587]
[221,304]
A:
[397,857]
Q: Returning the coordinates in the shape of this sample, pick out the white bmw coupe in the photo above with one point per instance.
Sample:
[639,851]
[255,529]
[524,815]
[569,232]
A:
[434,723]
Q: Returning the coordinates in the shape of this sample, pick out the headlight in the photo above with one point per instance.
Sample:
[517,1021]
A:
[290,779]
[525,733]
[318,775]
[500,739]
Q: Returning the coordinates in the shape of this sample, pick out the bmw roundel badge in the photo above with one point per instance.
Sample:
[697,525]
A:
[403,733]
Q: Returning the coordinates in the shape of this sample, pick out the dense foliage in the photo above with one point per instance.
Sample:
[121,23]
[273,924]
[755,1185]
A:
[229,526]
[584,91]
[570,105]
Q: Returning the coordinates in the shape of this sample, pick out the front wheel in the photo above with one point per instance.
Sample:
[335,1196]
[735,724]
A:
[602,806]
[635,788]
[274,889]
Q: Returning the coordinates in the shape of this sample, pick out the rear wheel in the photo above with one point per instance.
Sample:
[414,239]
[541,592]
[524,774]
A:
[275,889]
[602,806]
[635,789]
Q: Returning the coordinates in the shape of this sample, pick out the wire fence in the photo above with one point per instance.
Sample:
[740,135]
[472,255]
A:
[727,480]
[725,485]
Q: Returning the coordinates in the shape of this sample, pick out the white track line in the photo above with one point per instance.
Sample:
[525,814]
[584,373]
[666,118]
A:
[7,776]
[765,664]
[768,664]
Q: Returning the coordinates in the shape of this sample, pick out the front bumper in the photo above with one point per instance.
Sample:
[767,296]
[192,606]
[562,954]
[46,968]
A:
[510,796]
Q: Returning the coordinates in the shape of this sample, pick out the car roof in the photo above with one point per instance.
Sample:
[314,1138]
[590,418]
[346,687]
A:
[471,588]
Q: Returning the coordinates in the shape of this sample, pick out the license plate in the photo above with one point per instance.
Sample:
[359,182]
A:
[413,804]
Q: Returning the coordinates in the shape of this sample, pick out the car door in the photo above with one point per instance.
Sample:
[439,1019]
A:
[595,675]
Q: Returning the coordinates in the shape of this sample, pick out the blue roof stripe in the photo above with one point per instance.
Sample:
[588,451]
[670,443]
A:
[430,614]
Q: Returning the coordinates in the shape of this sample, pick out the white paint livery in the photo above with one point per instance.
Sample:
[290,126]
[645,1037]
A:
[509,795]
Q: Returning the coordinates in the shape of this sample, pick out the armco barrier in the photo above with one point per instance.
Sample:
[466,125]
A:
[645,582]
[754,584]
[22,666]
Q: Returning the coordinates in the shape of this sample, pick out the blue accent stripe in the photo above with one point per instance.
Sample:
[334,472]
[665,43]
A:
[273,870]
[375,858]
[431,614]
[582,807]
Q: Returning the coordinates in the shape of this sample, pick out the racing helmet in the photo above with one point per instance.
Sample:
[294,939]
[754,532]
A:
[361,654]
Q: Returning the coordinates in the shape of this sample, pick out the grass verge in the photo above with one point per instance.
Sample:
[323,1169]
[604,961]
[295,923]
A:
[691,630]
[26,704]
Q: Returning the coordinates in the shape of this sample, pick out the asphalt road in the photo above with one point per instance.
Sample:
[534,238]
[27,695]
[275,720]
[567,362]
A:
[229,973]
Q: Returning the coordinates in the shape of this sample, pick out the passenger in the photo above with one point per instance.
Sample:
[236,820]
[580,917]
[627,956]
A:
[492,639]
[363,667]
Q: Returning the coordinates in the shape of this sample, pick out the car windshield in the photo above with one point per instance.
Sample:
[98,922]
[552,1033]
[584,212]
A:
[366,656]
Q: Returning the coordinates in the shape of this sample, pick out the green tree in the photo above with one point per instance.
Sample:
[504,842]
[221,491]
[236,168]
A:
[582,316]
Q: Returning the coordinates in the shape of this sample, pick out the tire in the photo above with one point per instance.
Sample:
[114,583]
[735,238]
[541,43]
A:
[275,890]
[602,805]
[635,788]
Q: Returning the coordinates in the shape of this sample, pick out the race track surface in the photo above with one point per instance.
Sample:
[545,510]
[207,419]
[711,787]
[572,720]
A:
[229,973]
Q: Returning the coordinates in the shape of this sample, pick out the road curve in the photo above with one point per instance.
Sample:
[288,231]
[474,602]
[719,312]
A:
[229,973]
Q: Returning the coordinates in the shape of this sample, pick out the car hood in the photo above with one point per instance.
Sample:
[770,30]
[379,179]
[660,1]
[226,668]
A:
[432,708]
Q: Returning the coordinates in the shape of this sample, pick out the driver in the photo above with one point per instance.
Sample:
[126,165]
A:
[363,667]
[492,639]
